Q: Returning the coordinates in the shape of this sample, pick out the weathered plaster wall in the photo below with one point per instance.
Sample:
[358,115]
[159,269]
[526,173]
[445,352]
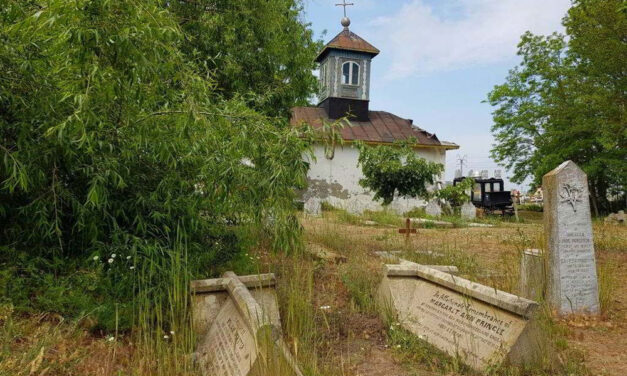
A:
[336,180]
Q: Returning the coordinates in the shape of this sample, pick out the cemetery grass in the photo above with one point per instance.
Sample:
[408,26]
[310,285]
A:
[328,313]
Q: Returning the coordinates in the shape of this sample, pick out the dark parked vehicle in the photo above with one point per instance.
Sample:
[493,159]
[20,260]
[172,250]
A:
[489,195]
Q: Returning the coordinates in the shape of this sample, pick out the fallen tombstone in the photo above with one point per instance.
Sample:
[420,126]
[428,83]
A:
[393,258]
[432,221]
[487,225]
[479,324]
[239,330]
[322,253]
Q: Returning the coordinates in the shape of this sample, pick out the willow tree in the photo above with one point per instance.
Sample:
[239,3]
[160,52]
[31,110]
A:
[111,142]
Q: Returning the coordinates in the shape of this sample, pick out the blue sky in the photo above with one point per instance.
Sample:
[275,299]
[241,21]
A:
[440,58]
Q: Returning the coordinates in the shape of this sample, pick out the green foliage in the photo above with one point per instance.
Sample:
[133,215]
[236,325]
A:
[458,194]
[567,101]
[112,140]
[396,171]
[531,207]
[258,48]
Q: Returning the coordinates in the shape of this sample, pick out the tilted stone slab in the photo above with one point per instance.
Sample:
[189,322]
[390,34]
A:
[481,325]
[238,325]
[393,257]
[572,282]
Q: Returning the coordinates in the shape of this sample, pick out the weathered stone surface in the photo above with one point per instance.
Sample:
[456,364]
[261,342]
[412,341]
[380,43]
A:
[481,325]
[617,218]
[393,258]
[239,330]
[433,209]
[313,207]
[572,282]
[468,211]
[532,274]
[322,253]
[431,221]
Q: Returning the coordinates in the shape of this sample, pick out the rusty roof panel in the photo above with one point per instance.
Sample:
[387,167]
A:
[383,127]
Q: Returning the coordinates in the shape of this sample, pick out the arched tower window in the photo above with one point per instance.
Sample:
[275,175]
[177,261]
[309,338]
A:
[350,73]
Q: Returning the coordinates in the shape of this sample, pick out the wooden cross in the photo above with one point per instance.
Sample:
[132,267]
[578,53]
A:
[344,4]
[407,230]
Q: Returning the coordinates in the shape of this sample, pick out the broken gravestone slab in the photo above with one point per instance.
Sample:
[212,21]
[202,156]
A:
[619,218]
[481,325]
[433,209]
[313,207]
[239,329]
[323,253]
[393,258]
[468,211]
[572,282]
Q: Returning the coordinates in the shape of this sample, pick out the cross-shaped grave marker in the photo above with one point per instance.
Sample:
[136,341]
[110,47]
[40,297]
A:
[407,230]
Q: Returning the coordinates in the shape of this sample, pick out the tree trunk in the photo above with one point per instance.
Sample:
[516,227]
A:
[593,199]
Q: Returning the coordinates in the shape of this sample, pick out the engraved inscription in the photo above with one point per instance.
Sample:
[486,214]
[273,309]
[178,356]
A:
[229,347]
[479,333]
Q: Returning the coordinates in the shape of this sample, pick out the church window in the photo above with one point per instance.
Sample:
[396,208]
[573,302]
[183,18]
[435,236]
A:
[350,73]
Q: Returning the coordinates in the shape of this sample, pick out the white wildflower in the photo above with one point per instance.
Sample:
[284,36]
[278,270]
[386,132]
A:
[325,307]
[96,258]
[132,268]
[111,339]
[398,346]
[110,261]
[113,255]
[128,257]
[166,336]
[172,332]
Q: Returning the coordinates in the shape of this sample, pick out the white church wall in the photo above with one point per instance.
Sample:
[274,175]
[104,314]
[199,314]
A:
[336,181]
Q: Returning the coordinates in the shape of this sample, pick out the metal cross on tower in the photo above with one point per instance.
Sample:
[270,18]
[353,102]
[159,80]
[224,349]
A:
[344,4]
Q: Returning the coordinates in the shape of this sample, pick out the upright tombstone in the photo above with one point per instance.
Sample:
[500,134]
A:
[485,174]
[468,211]
[572,284]
[433,208]
[532,274]
[313,207]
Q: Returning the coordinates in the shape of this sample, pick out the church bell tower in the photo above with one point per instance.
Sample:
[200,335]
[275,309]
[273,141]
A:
[344,84]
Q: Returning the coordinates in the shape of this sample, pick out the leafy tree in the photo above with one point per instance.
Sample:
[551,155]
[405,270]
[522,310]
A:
[261,49]
[391,171]
[457,195]
[567,100]
[112,142]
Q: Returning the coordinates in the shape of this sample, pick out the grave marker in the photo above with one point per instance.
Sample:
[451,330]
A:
[481,325]
[532,275]
[313,207]
[407,230]
[572,282]
[239,330]
[468,211]
[433,208]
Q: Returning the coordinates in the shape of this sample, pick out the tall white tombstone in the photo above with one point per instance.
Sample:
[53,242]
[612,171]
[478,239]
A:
[572,285]
[485,174]
[313,207]
[458,173]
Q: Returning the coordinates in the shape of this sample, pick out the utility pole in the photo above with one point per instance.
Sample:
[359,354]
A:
[462,162]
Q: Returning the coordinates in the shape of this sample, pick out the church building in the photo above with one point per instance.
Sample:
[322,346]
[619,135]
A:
[344,90]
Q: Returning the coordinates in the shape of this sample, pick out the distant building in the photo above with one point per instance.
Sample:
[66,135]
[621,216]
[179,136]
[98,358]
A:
[345,91]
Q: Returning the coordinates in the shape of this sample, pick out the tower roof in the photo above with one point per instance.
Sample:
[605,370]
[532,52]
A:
[348,41]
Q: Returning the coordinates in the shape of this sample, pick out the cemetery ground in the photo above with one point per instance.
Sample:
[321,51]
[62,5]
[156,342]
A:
[328,312]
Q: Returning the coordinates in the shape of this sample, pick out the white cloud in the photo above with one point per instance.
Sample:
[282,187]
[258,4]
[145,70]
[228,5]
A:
[421,38]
